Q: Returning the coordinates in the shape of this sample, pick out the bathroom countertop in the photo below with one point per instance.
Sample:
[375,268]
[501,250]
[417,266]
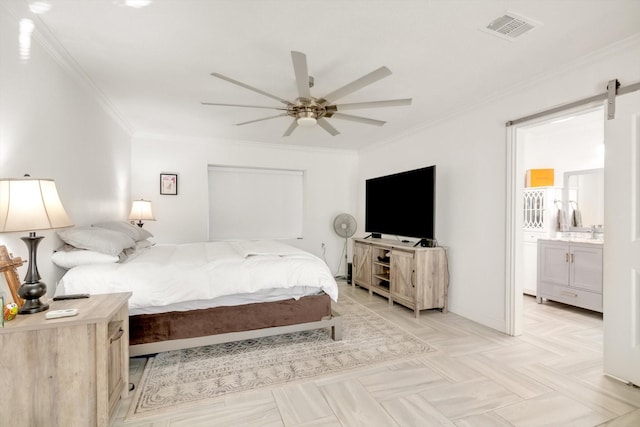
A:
[576,240]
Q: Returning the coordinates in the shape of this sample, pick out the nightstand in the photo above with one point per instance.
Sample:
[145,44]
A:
[69,371]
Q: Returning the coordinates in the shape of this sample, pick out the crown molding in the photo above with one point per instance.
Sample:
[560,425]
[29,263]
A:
[239,143]
[47,40]
[632,42]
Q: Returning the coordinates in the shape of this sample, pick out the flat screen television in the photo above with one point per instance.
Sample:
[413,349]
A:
[402,204]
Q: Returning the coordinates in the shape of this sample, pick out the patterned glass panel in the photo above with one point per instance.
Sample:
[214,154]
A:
[533,209]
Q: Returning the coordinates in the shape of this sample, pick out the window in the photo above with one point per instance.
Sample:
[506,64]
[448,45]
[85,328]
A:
[254,203]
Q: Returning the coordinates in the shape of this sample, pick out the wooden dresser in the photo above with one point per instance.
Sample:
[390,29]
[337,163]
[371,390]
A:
[69,371]
[415,277]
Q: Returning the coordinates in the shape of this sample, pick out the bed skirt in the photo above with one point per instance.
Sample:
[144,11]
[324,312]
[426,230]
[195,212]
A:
[181,325]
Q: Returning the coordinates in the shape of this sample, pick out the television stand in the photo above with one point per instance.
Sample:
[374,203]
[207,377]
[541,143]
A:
[415,277]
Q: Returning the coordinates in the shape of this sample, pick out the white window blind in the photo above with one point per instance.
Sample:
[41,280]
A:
[252,203]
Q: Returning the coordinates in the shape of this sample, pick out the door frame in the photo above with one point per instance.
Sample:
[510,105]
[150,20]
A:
[514,193]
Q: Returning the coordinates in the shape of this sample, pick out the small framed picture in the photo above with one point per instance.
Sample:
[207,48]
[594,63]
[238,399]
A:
[169,183]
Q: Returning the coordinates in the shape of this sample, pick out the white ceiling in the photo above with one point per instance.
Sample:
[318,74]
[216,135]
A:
[153,63]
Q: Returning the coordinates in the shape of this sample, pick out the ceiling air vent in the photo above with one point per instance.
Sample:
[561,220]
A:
[510,26]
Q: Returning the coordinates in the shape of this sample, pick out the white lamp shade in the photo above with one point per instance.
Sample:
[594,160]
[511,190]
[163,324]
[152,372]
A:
[141,209]
[28,204]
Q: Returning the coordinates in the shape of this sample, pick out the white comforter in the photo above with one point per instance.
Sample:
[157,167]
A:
[168,274]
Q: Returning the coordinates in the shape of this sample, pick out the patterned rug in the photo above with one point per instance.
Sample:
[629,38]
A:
[183,378]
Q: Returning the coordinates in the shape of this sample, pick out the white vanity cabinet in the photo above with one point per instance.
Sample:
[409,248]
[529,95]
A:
[570,272]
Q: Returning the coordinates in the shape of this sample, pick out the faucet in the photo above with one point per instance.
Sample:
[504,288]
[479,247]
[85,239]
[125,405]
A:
[596,229]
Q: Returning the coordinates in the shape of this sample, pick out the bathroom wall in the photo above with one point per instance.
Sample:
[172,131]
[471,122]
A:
[565,144]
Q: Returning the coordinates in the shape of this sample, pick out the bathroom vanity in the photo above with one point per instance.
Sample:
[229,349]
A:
[570,272]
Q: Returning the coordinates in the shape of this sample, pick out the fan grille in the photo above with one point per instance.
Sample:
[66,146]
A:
[344,225]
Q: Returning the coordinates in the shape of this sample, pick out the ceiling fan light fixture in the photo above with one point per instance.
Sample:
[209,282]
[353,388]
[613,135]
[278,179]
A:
[306,121]
[306,118]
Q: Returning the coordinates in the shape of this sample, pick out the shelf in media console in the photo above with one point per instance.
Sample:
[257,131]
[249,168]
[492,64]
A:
[392,243]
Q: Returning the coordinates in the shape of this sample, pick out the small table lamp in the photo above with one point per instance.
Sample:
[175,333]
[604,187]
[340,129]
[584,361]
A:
[28,204]
[141,209]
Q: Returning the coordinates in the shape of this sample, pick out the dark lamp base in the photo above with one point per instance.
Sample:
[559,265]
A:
[32,288]
[33,306]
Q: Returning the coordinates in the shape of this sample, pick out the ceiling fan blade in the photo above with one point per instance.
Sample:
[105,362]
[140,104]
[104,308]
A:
[302,73]
[375,104]
[246,86]
[358,119]
[259,120]
[291,128]
[363,81]
[241,105]
[327,126]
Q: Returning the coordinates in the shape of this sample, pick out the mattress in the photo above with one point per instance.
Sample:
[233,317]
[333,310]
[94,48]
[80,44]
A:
[267,295]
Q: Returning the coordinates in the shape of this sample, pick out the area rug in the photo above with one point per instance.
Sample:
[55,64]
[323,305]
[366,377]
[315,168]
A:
[179,379]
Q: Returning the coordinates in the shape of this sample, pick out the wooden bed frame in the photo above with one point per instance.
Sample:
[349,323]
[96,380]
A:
[155,333]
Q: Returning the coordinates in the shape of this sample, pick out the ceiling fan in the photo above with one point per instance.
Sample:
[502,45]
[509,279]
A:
[307,110]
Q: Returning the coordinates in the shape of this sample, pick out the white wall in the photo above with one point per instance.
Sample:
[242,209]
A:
[51,127]
[330,185]
[469,149]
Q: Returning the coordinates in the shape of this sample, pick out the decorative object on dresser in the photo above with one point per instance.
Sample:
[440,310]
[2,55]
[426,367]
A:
[570,272]
[416,277]
[9,311]
[28,204]
[141,210]
[73,370]
[178,379]
[8,266]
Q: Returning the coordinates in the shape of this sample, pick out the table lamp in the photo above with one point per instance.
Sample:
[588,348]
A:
[141,209]
[28,204]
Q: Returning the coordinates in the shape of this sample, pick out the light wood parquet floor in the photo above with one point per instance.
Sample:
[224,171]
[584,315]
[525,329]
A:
[549,376]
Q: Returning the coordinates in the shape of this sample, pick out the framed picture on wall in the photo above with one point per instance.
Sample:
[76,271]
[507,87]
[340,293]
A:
[169,183]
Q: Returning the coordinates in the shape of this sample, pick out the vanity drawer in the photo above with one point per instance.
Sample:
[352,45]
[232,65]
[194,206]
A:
[572,296]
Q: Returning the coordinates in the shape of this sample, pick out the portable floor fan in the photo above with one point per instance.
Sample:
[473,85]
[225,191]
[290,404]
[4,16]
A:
[345,226]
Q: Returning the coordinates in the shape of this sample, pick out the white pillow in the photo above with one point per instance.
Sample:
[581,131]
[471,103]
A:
[68,257]
[143,244]
[97,239]
[133,231]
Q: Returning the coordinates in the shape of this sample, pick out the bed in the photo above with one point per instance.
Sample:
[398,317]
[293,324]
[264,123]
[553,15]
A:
[188,295]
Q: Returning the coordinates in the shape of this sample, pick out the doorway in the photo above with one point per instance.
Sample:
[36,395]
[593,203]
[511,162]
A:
[565,144]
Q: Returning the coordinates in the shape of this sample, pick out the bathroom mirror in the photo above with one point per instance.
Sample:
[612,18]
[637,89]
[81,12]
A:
[584,198]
